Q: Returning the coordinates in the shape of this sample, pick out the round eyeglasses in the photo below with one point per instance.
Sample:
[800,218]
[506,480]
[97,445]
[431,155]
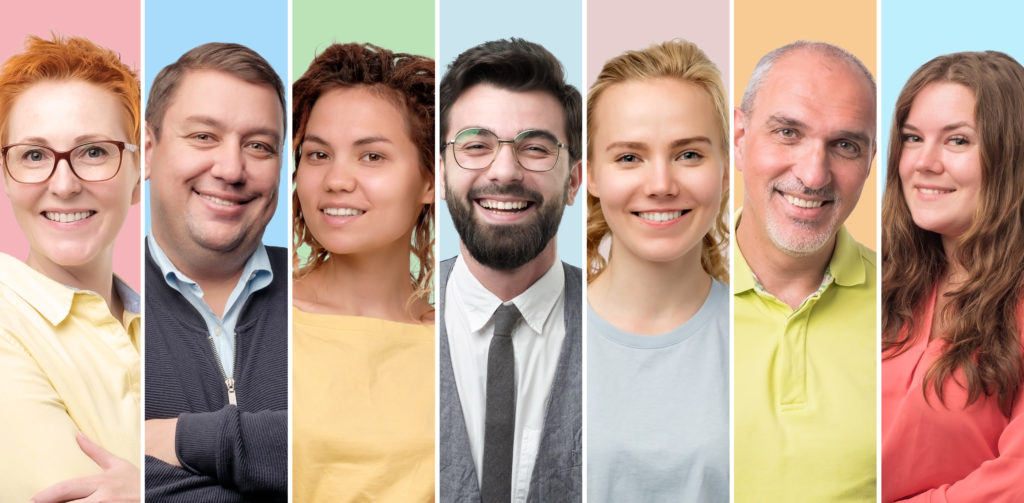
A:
[95,161]
[533,149]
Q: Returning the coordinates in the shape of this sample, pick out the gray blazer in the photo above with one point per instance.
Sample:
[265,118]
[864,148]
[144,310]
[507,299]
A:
[557,475]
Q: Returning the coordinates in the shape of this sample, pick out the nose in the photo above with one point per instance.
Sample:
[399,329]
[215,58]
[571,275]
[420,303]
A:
[928,158]
[505,168]
[229,165]
[814,169]
[64,183]
[660,181]
[339,178]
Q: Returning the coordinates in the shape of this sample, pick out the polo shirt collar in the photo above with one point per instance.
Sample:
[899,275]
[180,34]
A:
[50,298]
[845,266]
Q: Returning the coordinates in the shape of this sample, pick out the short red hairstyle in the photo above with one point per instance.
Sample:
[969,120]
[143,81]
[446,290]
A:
[71,58]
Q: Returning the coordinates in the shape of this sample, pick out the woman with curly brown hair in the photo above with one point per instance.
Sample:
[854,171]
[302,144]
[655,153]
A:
[363,324]
[952,284]
[658,337]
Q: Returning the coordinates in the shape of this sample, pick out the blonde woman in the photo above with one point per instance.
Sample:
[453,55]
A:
[658,347]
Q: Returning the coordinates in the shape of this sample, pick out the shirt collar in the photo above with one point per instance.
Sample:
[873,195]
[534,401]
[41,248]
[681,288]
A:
[845,266]
[257,265]
[535,304]
[52,299]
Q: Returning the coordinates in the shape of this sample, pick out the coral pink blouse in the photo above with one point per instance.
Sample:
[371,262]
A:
[937,453]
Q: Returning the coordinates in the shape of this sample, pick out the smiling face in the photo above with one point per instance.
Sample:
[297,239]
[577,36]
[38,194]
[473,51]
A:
[506,215]
[69,222]
[658,166]
[214,169]
[940,160]
[805,150]
[359,180]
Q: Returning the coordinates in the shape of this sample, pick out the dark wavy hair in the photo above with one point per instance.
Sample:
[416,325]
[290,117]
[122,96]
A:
[984,340]
[407,80]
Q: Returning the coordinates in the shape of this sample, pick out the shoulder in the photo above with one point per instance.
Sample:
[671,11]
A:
[572,271]
[278,258]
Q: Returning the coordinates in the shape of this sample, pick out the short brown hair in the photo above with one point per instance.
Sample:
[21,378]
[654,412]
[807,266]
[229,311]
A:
[234,59]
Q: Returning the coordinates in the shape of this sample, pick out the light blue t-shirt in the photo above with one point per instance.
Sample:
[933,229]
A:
[256,275]
[658,409]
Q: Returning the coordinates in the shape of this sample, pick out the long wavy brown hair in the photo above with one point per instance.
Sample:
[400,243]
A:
[406,79]
[681,60]
[984,339]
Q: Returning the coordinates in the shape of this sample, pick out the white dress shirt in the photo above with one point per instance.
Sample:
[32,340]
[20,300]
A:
[537,343]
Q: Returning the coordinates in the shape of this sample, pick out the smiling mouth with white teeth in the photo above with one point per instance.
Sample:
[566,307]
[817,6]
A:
[934,192]
[342,212]
[803,203]
[503,206]
[65,218]
[217,200]
[660,216]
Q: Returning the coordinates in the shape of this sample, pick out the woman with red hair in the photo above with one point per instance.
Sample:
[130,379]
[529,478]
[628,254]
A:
[69,328]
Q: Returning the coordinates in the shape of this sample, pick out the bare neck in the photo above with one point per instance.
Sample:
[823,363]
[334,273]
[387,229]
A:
[790,278]
[507,285]
[645,297]
[373,285]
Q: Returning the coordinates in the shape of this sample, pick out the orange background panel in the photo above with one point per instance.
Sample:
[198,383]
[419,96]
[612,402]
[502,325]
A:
[763,26]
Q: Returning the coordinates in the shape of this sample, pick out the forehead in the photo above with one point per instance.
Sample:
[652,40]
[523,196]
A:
[354,109]
[227,99]
[656,108]
[943,103]
[828,94]
[506,112]
[59,111]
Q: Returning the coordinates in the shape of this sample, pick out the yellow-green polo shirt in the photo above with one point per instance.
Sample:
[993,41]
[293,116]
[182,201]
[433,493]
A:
[805,385]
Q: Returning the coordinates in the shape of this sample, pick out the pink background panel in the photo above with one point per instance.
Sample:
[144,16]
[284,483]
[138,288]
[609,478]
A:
[615,27]
[114,24]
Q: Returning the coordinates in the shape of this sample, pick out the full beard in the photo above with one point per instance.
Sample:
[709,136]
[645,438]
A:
[505,247]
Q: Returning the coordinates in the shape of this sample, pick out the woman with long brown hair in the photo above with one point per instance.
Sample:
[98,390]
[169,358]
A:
[952,284]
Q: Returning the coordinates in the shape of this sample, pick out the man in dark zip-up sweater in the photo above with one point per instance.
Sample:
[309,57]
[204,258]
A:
[216,338]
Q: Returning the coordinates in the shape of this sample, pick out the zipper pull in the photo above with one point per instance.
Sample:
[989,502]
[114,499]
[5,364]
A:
[231,391]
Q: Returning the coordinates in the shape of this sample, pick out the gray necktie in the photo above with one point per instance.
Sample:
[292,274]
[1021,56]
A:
[500,418]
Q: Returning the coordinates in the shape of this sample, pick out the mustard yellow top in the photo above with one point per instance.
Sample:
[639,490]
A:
[66,365]
[363,409]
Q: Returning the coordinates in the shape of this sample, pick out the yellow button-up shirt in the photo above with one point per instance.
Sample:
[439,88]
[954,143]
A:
[805,385]
[66,365]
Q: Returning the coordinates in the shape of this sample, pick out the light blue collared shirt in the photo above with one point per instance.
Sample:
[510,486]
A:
[256,275]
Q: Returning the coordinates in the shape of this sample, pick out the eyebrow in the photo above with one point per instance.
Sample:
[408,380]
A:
[210,121]
[79,140]
[843,133]
[536,131]
[635,145]
[361,141]
[948,127]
